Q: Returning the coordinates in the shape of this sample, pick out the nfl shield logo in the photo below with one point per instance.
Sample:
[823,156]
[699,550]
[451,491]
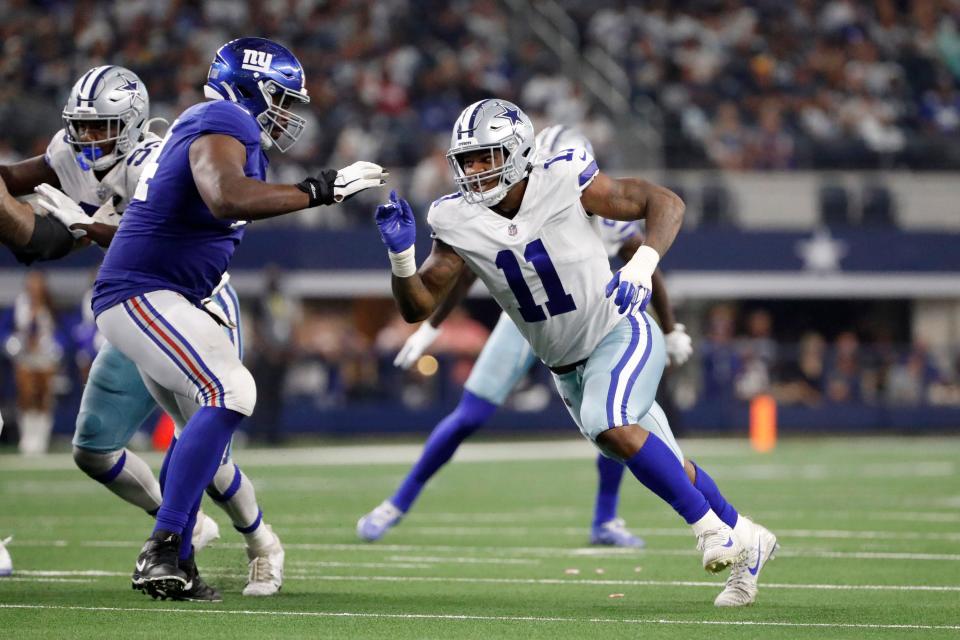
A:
[512,229]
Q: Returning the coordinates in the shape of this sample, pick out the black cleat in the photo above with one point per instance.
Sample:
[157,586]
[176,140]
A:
[157,572]
[200,591]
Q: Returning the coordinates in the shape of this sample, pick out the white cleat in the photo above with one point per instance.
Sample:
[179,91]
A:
[741,587]
[6,563]
[719,545]
[375,524]
[266,569]
[205,531]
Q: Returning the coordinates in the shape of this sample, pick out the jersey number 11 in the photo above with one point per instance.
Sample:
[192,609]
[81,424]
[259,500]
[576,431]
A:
[558,300]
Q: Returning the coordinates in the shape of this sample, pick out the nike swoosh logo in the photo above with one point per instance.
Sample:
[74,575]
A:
[729,542]
[755,568]
[583,156]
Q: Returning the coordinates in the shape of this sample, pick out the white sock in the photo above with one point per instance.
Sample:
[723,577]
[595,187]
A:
[709,522]
[34,432]
[743,531]
[241,505]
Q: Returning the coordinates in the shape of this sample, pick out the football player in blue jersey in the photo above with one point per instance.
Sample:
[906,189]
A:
[505,359]
[96,160]
[179,233]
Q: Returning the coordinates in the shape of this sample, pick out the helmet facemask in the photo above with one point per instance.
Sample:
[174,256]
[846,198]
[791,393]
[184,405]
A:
[508,174]
[277,117]
[91,154]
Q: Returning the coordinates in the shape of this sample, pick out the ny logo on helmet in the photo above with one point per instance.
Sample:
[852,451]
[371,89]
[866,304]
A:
[256,60]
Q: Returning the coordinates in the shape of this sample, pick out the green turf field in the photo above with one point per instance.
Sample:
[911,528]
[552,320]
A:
[869,528]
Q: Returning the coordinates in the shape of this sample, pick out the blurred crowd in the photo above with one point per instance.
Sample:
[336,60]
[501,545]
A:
[386,79]
[741,357]
[751,84]
[765,84]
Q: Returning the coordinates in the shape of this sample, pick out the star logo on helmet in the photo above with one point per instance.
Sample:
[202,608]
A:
[513,115]
[131,85]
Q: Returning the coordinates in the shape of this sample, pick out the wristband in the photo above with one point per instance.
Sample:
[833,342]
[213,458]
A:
[403,264]
[644,261]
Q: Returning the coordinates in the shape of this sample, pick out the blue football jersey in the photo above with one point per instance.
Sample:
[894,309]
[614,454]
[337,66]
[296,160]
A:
[169,239]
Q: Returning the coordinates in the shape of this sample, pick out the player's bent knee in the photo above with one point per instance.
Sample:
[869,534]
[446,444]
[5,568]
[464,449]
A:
[240,391]
[622,443]
[96,464]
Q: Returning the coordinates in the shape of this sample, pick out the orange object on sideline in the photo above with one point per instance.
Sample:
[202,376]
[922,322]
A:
[763,423]
[163,432]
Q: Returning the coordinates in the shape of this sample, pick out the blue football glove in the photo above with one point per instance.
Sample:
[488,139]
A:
[397,224]
[628,297]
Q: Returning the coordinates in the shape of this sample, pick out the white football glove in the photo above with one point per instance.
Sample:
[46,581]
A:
[60,206]
[679,345]
[357,177]
[415,345]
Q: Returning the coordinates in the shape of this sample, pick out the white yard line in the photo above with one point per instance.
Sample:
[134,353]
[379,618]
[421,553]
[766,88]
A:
[478,618]
[566,582]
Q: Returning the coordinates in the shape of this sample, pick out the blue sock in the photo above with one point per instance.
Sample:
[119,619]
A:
[165,464]
[186,542]
[659,470]
[193,463]
[469,416]
[608,489]
[705,485]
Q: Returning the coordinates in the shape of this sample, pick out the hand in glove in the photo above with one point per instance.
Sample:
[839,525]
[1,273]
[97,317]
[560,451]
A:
[415,345]
[63,208]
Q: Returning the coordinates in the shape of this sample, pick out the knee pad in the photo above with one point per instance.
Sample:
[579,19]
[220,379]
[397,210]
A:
[102,467]
[240,391]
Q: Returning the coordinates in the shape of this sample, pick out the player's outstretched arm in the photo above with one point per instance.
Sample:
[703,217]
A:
[217,162]
[417,292]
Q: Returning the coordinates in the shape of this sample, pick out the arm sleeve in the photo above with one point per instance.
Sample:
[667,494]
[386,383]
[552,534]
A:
[50,241]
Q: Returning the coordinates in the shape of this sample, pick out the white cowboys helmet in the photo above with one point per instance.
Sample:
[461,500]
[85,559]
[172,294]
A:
[492,125]
[115,99]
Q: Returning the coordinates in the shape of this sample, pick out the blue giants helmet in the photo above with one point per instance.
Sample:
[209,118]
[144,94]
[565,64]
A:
[266,79]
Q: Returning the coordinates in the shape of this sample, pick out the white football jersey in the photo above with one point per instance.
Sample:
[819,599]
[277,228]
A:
[82,185]
[547,267]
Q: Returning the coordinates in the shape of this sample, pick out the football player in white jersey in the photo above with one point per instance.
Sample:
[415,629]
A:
[523,226]
[96,161]
[505,359]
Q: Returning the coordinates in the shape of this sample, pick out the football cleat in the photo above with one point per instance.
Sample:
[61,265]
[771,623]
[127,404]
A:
[205,531]
[157,572]
[266,569]
[199,590]
[6,563]
[716,540]
[375,524]
[614,533]
[741,587]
